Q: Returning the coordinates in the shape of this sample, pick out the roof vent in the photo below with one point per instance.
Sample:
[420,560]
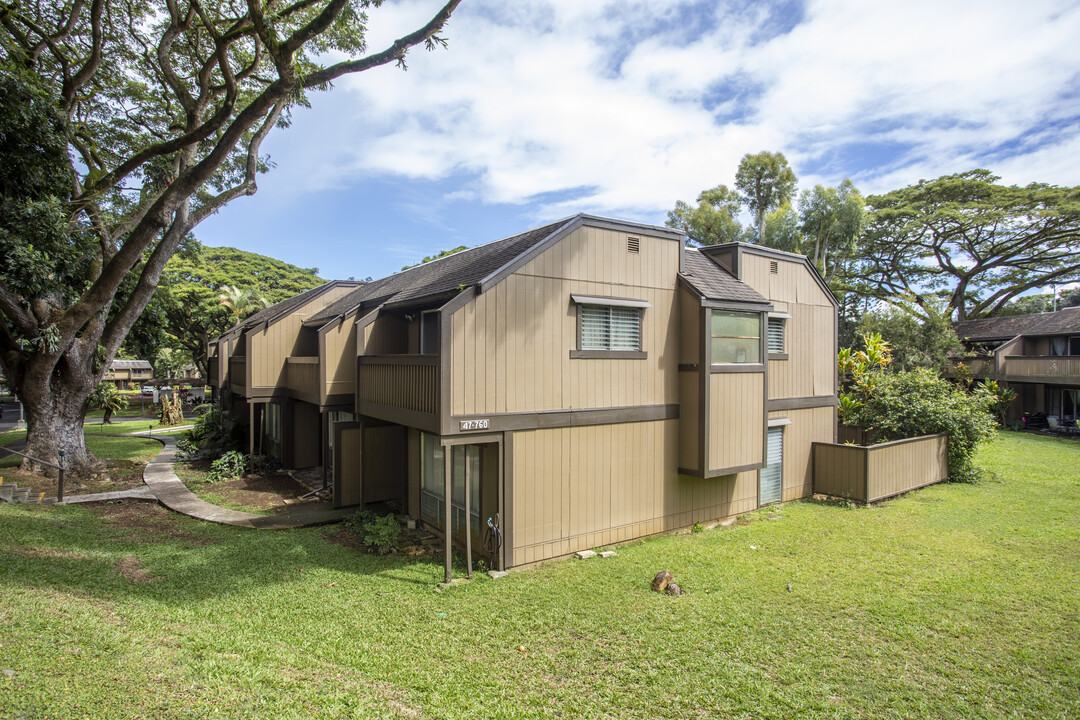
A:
[633,245]
[774,267]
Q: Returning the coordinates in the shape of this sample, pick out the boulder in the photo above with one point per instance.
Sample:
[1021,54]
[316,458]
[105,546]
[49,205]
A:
[661,580]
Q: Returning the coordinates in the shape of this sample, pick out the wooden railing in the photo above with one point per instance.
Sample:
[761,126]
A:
[1043,366]
[409,382]
[212,371]
[869,473]
[979,366]
[238,371]
[302,374]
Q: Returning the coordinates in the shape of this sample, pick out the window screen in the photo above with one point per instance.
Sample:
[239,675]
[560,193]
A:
[610,328]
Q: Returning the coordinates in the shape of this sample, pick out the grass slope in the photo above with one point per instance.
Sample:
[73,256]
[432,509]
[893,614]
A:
[958,601]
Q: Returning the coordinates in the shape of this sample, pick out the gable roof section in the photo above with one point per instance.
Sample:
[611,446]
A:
[483,265]
[130,365]
[279,310]
[713,282]
[740,247]
[1062,322]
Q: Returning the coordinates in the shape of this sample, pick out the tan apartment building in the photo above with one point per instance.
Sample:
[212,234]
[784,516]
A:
[583,383]
[126,374]
[1036,355]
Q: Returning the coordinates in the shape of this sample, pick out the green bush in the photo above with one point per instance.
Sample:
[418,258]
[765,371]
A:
[909,404]
[216,431]
[230,465]
[379,532]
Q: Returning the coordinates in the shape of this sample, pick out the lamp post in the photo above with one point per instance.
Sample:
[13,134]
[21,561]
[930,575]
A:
[60,479]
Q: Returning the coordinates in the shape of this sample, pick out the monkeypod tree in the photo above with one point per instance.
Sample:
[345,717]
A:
[970,242]
[125,123]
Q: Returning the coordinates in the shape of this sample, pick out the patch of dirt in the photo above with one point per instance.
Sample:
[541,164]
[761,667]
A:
[149,521]
[121,475]
[131,570]
[413,543]
[269,491]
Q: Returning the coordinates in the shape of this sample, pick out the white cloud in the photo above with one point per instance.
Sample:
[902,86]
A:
[538,97]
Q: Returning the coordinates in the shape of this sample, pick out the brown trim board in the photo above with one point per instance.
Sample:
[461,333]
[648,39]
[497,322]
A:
[502,422]
[801,403]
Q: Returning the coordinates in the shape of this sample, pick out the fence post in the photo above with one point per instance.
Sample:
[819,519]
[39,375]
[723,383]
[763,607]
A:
[60,480]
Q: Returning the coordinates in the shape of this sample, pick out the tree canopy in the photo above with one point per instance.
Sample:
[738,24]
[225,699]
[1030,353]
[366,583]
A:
[715,219]
[970,243]
[189,296]
[128,122]
[766,182]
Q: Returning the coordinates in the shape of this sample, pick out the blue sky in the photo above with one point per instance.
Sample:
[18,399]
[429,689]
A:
[540,109]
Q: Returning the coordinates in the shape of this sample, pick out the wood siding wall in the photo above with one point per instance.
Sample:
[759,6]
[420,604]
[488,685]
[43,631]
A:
[737,419]
[582,487]
[810,334]
[808,426]
[271,345]
[876,472]
[511,346]
[337,358]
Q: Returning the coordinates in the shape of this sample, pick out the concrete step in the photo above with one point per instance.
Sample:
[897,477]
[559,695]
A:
[7,490]
[20,495]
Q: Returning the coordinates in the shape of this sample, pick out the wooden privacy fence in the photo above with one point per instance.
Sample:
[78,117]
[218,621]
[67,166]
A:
[870,473]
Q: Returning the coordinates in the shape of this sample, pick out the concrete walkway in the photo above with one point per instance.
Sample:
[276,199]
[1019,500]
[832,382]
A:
[173,494]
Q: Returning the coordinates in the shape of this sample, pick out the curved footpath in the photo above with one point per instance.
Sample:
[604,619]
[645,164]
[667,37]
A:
[162,484]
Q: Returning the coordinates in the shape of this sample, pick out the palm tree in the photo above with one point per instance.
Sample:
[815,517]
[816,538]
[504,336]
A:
[242,302]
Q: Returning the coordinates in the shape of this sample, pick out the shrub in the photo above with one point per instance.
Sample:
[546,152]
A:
[216,431]
[379,532]
[910,404]
[230,465]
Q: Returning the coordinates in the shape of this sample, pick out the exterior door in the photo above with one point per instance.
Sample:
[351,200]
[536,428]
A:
[772,475]
[348,464]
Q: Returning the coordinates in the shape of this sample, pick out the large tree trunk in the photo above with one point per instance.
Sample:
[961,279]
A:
[55,406]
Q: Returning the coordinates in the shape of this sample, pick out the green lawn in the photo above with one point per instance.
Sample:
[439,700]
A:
[114,447]
[958,601]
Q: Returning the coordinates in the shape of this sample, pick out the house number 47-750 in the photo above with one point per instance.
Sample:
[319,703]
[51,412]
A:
[474,424]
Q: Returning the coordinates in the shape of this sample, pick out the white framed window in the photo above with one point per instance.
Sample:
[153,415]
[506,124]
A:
[776,339]
[609,327]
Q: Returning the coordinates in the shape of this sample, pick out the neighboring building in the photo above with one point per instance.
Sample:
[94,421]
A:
[590,381]
[247,368]
[128,373]
[1037,355]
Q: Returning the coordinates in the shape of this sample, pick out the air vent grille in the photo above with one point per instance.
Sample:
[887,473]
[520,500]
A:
[633,245]
[774,267]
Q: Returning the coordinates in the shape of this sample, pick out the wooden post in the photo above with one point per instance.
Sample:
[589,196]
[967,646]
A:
[468,516]
[446,508]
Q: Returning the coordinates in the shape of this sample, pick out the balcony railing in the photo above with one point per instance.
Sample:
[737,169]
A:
[979,366]
[406,382]
[302,375]
[238,373]
[1063,367]
[212,365]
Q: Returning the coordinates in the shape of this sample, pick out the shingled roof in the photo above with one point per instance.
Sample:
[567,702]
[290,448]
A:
[1062,322]
[439,277]
[283,308]
[714,282]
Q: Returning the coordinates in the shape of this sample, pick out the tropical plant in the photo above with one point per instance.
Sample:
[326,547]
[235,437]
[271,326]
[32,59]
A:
[998,398]
[107,397]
